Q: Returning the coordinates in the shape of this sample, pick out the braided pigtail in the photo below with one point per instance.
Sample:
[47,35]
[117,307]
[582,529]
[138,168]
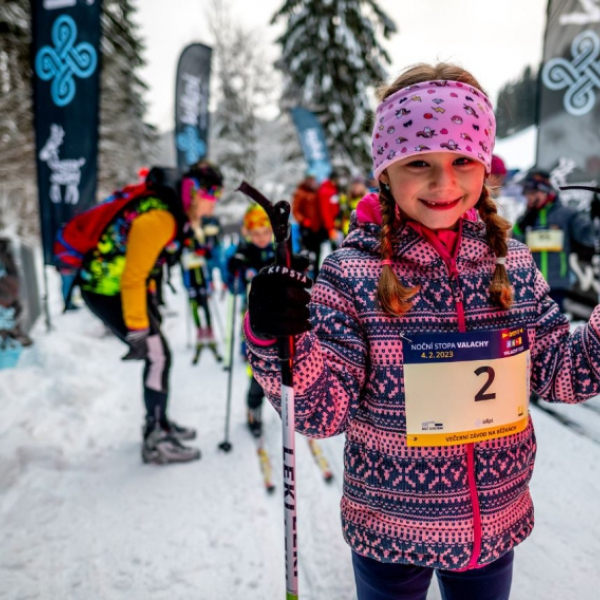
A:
[393,296]
[497,227]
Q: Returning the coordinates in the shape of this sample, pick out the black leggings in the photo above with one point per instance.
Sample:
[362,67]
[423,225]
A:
[255,394]
[157,365]
[198,297]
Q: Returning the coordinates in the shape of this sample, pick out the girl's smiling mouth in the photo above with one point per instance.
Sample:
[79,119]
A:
[440,205]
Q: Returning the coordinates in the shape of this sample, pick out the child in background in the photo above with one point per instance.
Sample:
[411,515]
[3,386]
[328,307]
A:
[201,187]
[420,342]
[255,251]
[348,203]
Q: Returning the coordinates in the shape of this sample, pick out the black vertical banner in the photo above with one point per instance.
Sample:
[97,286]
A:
[569,109]
[191,104]
[66,67]
[569,123]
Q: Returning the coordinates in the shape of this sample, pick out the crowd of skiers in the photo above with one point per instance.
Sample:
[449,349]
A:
[170,219]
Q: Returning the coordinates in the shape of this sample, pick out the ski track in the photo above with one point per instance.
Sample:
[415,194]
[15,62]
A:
[82,517]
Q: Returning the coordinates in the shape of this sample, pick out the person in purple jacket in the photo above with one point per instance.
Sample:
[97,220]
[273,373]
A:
[421,341]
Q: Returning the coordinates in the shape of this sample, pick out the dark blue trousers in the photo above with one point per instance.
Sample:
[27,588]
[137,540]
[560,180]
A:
[389,581]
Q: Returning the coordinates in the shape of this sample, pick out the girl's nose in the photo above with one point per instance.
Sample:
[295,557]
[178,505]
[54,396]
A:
[442,176]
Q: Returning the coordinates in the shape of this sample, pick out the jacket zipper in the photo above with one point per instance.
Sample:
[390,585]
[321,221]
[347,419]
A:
[462,328]
[450,262]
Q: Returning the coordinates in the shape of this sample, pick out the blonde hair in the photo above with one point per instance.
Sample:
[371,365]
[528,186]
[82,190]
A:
[393,296]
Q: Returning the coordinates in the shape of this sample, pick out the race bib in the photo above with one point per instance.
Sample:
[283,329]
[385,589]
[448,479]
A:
[545,240]
[191,260]
[462,388]
[211,230]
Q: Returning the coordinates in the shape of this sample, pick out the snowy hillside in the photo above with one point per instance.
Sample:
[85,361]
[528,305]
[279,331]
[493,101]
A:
[519,150]
[82,518]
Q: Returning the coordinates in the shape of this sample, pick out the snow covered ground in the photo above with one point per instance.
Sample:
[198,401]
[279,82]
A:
[82,518]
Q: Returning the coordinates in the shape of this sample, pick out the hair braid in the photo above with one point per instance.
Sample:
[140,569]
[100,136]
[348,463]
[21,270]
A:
[497,228]
[393,296]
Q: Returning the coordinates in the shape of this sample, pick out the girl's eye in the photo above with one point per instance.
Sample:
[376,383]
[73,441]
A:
[463,160]
[417,163]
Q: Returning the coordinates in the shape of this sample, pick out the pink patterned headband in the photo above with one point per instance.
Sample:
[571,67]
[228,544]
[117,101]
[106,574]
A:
[434,116]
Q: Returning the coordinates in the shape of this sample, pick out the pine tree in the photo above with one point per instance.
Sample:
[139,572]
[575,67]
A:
[126,141]
[330,58]
[517,104]
[243,83]
[18,195]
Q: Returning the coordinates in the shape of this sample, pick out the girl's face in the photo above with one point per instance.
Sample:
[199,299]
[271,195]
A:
[437,188]
[200,207]
[261,236]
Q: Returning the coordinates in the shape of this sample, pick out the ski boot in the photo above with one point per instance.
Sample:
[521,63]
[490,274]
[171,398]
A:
[255,421]
[161,447]
[200,343]
[180,432]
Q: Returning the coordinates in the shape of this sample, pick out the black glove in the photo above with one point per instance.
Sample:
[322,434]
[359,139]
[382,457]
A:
[138,344]
[237,263]
[278,300]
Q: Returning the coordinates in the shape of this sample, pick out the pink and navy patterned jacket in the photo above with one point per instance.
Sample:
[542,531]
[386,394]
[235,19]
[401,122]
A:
[452,507]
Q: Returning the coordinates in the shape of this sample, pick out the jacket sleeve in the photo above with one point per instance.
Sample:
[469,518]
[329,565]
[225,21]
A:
[149,234]
[298,207]
[330,361]
[228,274]
[565,365]
[582,229]
[328,207]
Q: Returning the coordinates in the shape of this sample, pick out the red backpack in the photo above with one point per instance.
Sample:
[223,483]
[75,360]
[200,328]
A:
[81,234]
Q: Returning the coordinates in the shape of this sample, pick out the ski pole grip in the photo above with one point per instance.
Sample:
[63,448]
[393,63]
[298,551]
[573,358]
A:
[283,252]
[283,249]
[279,216]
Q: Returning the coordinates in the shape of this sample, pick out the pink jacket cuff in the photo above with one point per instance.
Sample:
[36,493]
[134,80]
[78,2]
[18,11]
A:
[251,337]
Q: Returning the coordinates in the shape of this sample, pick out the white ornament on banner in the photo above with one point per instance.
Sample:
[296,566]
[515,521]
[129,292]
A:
[65,172]
[580,76]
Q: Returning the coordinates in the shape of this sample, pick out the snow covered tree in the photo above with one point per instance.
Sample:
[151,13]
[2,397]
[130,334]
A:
[18,196]
[243,82]
[330,58]
[517,104]
[126,141]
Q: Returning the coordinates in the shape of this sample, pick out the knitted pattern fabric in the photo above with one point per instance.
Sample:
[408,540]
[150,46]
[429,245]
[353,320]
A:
[413,504]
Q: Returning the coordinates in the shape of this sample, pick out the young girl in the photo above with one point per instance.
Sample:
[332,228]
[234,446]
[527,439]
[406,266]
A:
[425,331]
[245,260]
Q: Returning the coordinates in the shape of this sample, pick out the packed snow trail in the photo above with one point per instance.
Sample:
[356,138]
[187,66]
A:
[82,517]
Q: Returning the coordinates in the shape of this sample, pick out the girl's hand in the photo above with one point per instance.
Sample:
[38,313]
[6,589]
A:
[278,300]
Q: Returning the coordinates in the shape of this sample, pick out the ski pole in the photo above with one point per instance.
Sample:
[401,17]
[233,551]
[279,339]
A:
[188,324]
[217,317]
[226,445]
[279,216]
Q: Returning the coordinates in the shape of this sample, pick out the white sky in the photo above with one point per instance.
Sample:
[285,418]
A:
[494,40]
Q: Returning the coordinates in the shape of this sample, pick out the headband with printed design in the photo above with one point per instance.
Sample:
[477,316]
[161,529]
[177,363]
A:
[434,116]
